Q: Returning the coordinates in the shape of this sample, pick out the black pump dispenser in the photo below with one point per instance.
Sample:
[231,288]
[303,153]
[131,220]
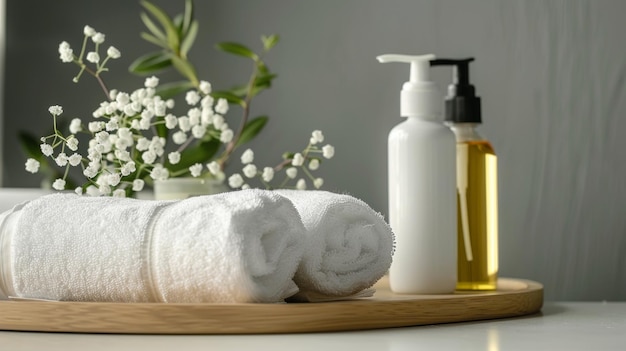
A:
[462,104]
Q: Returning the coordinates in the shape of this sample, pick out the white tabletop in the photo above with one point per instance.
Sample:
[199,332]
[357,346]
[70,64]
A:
[560,326]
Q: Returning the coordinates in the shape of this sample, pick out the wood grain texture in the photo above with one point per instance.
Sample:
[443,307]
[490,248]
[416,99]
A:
[385,310]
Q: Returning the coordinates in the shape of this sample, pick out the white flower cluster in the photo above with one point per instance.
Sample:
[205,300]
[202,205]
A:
[66,53]
[125,146]
[306,161]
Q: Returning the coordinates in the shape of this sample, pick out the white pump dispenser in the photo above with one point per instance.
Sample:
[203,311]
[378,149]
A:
[422,187]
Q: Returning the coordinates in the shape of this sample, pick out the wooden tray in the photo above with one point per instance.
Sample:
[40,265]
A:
[514,297]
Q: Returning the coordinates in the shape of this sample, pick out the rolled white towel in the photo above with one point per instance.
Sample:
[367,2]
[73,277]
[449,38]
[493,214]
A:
[349,246]
[239,246]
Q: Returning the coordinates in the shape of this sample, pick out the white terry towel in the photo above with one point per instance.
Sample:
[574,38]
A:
[239,246]
[349,246]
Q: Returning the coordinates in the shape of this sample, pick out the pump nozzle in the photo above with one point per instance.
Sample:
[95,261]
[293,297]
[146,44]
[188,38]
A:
[462,104]
[419,64]
[419,96]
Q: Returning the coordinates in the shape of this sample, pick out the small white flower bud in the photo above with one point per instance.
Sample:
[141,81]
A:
[247,156]
[98,38]
[32,165]
[93,57]
[192,97]
[235,181]
[138,184]
[195,170]
[314,164]
[174,157]
[328,151]
[301,184]
[55,110]
[318,182]
[214,167]
[90,32]
[59,184]
[250,170]
[291,172]
[268,174]
[113,52]
[205,87]
[226,136]
[222,106]
[46,149]
[151,82]
[298,160]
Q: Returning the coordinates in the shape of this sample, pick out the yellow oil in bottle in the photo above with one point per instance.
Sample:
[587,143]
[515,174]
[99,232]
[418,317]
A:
[477,195]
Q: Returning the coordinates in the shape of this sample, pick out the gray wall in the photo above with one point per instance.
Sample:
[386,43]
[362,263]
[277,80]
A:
[551,74]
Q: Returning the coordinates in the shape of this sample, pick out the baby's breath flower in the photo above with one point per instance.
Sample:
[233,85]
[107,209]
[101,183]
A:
[214,167]
[318,182]
[250,170]
[184,124]
[179,137]
[192,97]
[46,149]
[65,52]
[174,157]
[92,191]
[78,190]
[245,186]
[235,181]
[171,121]
[76,126]
[222,106]
[205,87]
[301,184]
[89,31]
[291,172]
[328,151]
[59,184]
[138,184]
[61,159]
[151,82]
[32,165]
[314,164]
[55,110]
[317,137]
[247,156]
[143,144]
[226,136]
[98,38]
[195,170]
[104,189]
[95,127]
[93,57]
[170,103]
[113,52]
[159,173]
[75,159]
[149,157]
[90,172]
[298,160]
[207,102]
[268,174]
[198,131]
[128,168]
[119,193]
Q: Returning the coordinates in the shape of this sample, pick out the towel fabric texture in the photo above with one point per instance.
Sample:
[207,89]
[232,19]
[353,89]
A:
[242,246]
[349,246]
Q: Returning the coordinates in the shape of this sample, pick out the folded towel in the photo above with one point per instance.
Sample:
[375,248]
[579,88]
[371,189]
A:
[239,246]
[349,246]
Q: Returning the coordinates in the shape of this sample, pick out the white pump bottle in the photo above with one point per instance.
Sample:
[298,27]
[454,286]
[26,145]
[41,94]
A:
[422,187]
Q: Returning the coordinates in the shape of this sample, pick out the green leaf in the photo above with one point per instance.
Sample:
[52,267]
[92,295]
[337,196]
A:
[150,63]
[237,49]
[154,40]
[156,32]
[189,39]
[251,129]
[288,155]
[166,22]
[229,96]
[264,81]
[188,17]
[170,90]
[269,42]
[30,145]
[185,68]
[201,153]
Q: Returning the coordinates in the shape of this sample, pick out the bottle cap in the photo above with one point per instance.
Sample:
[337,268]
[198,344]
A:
[419,97]
[462,104]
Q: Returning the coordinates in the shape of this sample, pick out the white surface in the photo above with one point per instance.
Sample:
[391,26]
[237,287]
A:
[561,326]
